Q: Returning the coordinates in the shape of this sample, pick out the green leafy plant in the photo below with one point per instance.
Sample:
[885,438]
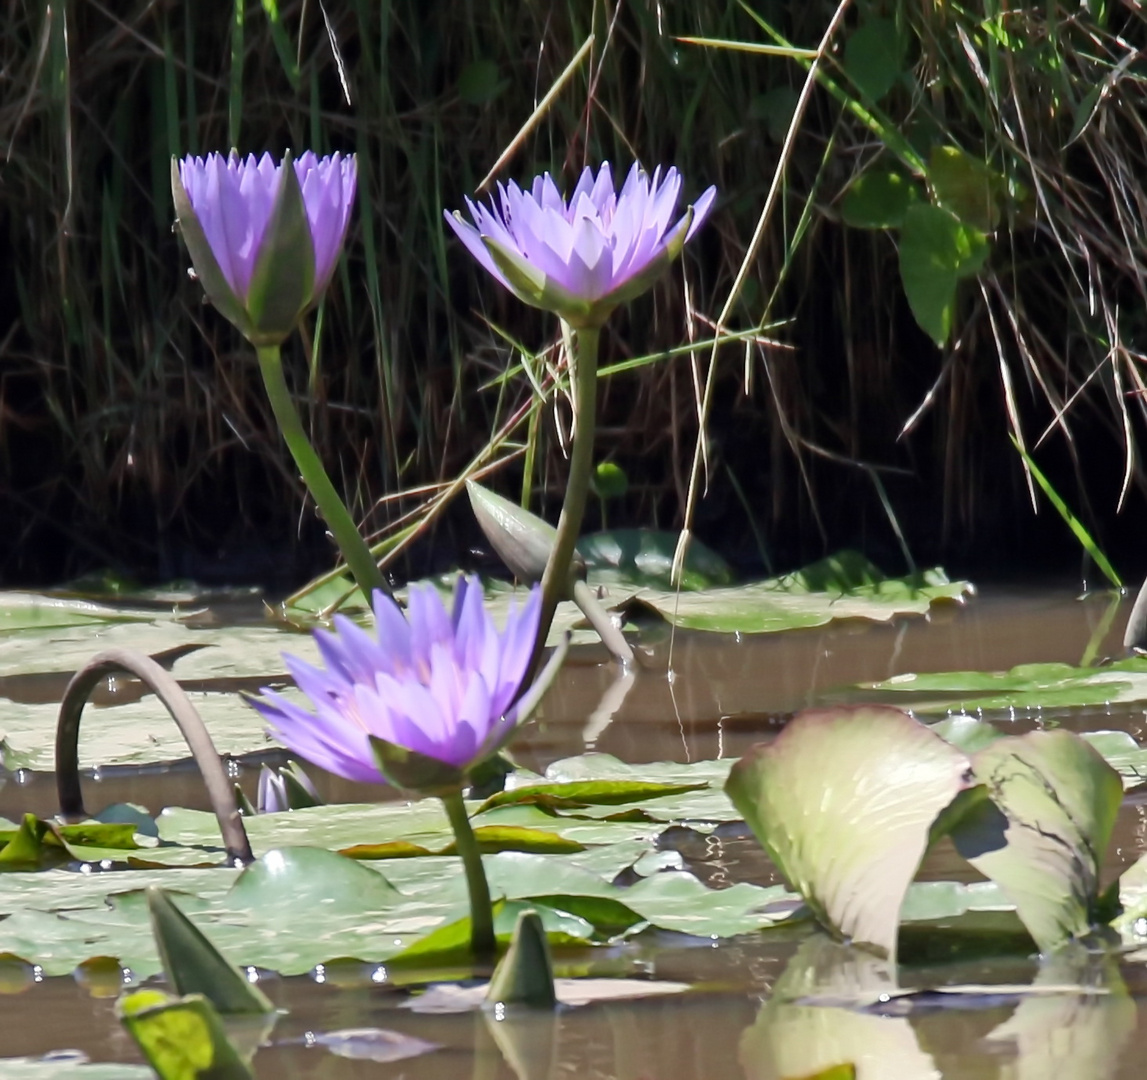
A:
[847,800]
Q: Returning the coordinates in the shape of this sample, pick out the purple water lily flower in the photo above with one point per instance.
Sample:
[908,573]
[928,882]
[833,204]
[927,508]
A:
[583,257]
[264,237]
[439,684]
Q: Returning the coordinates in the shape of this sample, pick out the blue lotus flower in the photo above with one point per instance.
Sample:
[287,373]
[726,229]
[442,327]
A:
[433,686]
[582,257]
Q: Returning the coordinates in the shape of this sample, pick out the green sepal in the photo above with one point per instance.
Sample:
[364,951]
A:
[413,772]
[283,280]
[525,975]
[522,540]
[243,803]
[298,797]
[194,966]
[181,1037]
[540,290]
[207,269]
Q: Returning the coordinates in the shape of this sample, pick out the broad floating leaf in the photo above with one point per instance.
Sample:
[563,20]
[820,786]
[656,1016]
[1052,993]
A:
[194,966]
[843,801]
[645,557]
[845,586]
[1026,686]
[1043,835]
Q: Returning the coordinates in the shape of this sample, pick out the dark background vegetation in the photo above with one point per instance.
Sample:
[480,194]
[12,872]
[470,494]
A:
[134,434]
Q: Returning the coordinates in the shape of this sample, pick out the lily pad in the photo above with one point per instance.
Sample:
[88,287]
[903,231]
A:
[645,557]
[844,800]
[1027,686]
[1043,834]
[847,586]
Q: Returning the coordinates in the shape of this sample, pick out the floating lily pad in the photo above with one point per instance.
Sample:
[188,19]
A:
[1028,686]
[645,557]
[846,586]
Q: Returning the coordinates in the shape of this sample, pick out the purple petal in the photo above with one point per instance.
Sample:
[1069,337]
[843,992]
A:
[701,210]
[429,624]
[473,241]
[272,794]
[342,751]
[393,631]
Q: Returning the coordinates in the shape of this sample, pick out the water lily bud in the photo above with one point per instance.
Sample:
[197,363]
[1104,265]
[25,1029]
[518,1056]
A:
[264,238]
[522,540]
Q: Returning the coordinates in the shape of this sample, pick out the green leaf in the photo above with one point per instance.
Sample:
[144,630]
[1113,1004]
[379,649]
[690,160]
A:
[966,733]
[20,612]
[645,557]
[775,107]
[479,82]
[878,199]
[194,966]
[936,251]
[844,587]
[311,879]
[182,1038]
[965,186]
[1026,686]
[874,57]
[1076,526]
[24,848]
[1043,836]
[586,793]
[843,801]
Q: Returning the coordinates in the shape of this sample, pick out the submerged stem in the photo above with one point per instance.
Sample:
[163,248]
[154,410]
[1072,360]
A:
[482,943]
[350,542]
[556,583]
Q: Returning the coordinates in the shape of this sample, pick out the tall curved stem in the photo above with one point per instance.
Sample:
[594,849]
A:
[350,542]
[556,584]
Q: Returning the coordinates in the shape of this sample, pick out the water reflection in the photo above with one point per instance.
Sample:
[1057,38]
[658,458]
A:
[838,1008]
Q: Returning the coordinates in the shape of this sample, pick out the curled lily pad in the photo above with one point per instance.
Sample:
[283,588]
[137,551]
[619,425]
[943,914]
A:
[1043,832]
[844,801]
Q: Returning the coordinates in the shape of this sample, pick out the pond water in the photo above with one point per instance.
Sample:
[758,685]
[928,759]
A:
[1081,1017]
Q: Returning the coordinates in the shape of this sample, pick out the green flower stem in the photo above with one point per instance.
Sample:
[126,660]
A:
[335,514]
[482,943]
[556,585]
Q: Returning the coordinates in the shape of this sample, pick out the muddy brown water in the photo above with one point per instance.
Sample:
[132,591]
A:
[723,695]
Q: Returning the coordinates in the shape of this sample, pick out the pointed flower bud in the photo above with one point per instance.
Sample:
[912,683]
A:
[582,258]
[264,238]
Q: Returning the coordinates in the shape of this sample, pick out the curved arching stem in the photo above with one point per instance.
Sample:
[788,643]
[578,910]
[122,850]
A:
[191,726]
